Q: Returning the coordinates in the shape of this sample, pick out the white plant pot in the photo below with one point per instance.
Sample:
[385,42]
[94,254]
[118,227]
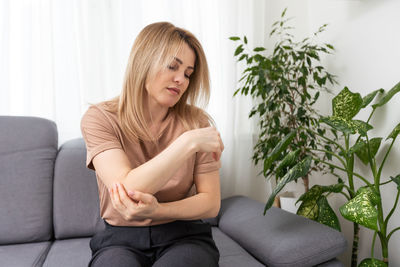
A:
[288,204]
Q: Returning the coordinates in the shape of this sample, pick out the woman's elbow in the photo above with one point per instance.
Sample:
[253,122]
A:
[215,209]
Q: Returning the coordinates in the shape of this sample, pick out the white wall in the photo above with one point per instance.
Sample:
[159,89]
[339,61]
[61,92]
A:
[366,36]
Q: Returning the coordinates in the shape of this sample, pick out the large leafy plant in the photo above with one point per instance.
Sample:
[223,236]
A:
[285,85]
[364,205]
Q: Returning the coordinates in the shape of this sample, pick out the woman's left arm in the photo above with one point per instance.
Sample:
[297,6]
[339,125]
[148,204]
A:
[205,204]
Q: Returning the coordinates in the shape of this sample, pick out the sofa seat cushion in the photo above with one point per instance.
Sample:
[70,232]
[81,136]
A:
[29,254]
[231,254]
[69,252]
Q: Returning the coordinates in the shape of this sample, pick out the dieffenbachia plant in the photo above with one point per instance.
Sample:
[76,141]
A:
[364,206]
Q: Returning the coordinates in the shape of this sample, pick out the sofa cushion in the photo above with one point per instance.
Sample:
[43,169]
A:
[28,148]
[280,238]
[76,200]
[71,252]
[231,254]
[29,254]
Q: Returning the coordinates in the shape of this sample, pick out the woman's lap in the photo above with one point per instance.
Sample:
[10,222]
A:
[181,243]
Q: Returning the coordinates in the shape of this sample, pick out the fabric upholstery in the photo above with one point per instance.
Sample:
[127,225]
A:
[28,147]
[331,263]
[29,254]
[280,238]
[231,253]
[76,201]
[70,252]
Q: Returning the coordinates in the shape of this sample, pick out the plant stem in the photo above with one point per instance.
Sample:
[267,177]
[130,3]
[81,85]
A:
[333,154]
[340,168]
[328,139]
[373,244]
[354,252]
[345,195]
[386,155]
[392,210]
[392,232]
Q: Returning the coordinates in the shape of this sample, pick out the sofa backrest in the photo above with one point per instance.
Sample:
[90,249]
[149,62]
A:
[28,148]
[76,200]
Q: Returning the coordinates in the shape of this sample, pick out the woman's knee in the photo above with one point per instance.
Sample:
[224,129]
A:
[189,254]
[118,256]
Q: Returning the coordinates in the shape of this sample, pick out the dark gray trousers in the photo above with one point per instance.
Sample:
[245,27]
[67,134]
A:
[179,243]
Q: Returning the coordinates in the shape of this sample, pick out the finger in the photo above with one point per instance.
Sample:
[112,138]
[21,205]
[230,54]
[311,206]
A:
[125,199]
[141,197]
[219,155]
[117,200]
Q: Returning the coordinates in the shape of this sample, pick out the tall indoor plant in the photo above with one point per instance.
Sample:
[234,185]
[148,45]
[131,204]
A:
[364,204]
[285,86]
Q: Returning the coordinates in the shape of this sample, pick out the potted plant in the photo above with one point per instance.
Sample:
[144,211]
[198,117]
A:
[285,86]
[364,204]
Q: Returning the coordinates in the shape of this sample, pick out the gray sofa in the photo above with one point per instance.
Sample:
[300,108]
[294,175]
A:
[49,210]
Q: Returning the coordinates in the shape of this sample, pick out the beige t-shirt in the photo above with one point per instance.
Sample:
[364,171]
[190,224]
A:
[101,131]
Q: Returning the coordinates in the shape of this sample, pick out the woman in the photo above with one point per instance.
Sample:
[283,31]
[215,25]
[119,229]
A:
[156,157]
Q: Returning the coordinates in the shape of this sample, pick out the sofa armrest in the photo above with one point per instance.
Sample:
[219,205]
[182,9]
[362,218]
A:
[279,238]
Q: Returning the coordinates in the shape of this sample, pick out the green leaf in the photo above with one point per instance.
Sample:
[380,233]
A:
[326,215]
[388,96]
[298,170]
[317,190]
[362,152]
[360,127]
[238,50]
[368,98]
[278,149]
[346,104]
[361,209]
[395,132]
[368,262]
[234,38]
[258,49]
[284,12]
[396,180]
[313,194]
[338,124]
[347,127]
[308,209]
[288,160]
[245,40]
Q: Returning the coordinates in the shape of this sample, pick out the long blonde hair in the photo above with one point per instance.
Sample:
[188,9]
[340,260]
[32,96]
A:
[154,48]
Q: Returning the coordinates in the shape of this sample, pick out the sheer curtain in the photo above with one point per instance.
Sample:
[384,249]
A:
[57,57]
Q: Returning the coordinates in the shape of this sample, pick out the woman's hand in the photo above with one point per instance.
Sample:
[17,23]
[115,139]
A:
[206,140]
[133,205]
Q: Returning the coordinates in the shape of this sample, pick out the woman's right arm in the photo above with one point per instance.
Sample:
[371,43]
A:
[113,166]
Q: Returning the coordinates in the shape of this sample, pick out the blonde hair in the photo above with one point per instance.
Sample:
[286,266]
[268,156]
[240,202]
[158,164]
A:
[155,48]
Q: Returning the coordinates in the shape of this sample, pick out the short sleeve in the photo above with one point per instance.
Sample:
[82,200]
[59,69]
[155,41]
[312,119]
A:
[98,133]
[204,162]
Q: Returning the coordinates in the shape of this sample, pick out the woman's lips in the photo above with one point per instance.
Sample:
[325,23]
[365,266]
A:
[174,90]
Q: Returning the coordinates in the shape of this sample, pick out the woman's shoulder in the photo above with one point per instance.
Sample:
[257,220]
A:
[101,113]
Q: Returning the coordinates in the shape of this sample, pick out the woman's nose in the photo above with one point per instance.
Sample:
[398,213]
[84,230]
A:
[179,78]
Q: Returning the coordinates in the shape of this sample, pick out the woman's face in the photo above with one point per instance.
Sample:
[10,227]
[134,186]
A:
[170,83]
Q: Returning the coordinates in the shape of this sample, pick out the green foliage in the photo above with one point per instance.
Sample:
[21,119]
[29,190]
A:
[299,170]
[372,263]
[285,84]
[365,206]
[315,206]
[362,209]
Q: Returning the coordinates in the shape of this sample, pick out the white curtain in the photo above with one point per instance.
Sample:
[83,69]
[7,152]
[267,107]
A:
[59,56]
